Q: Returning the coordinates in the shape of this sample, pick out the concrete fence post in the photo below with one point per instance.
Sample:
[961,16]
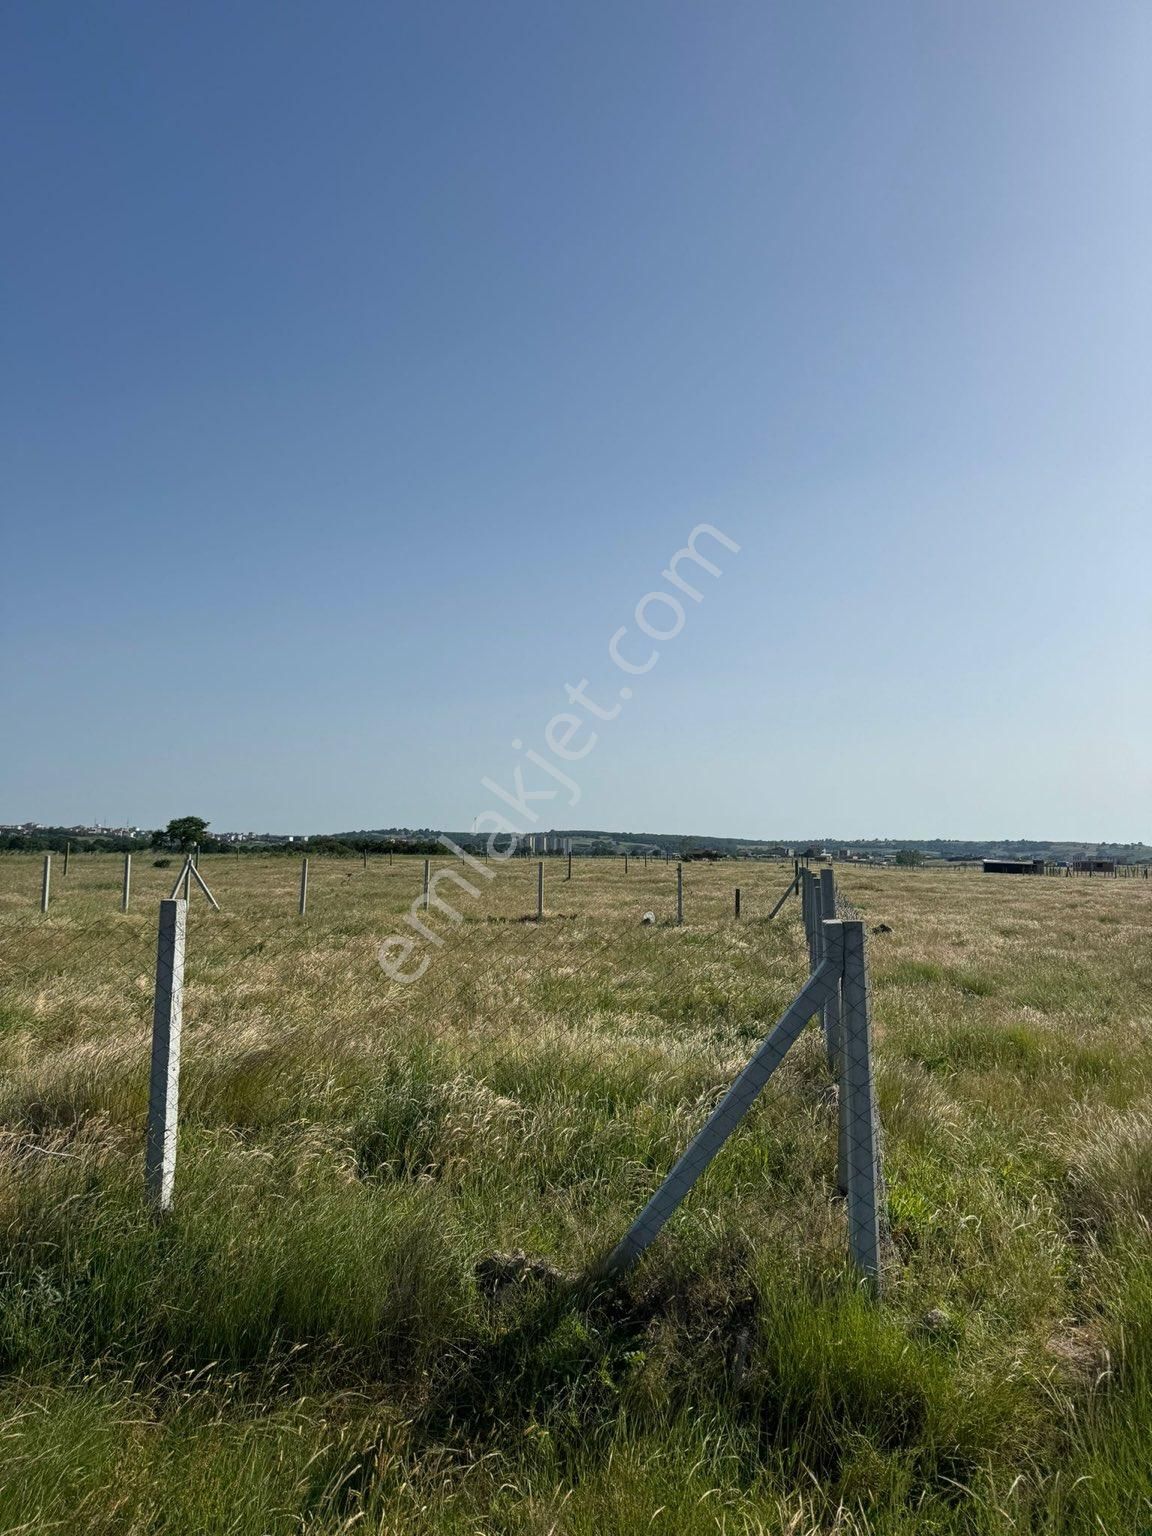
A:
[737,903]
[568,876]
[46,883]
[425,885]
[540,891]
[126,891]
[625,863]
[832,1006]
[815,917]
[858,1106]
[67,851]
[679,895]
[303,886]
[164,1078]
[834,955]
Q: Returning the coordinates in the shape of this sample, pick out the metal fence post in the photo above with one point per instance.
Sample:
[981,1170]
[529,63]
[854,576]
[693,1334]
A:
[425,885]
[858,1106]
[679,895]
[126,892]
[164,1078]
[540,891]
[568,876]
[67,851]
[303,886]
[737,902]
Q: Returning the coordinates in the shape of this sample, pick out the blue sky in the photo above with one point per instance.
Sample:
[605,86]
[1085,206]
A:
[365,364]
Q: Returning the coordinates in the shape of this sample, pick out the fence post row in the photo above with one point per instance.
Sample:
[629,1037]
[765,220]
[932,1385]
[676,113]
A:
[164,1078]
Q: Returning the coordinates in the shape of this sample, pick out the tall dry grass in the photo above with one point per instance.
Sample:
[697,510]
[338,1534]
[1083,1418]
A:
[305,1345]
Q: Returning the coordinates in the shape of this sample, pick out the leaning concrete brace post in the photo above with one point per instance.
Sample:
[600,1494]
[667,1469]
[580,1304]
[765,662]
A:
[164,1079]
[199,879]
[46,883]
[303,886]
[179,881]
[721,1122]
[126,892]
[425,885]
[679,895]
[188,879]
[865,1179]
[832,1006]
[791,886]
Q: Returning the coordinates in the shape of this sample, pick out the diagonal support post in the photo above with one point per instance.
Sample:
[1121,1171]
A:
[722,1122]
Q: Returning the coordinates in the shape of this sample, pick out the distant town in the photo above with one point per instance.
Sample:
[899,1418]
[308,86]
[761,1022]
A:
[31,836]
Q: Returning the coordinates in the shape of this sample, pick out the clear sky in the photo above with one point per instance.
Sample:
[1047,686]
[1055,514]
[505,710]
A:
[366,363]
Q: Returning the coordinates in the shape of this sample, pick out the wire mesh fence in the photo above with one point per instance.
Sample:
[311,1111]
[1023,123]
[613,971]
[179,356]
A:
[285,1014]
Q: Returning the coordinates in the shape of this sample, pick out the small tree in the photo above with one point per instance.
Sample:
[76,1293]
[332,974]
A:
[184,832]
[909,858]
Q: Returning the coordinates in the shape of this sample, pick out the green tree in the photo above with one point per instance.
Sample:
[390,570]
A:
[909,858]
[184,832]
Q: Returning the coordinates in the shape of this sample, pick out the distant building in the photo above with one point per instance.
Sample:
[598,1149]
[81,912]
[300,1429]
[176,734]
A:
[1014,866]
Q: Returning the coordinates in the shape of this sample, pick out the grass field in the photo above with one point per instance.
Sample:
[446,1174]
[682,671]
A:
[303,1345]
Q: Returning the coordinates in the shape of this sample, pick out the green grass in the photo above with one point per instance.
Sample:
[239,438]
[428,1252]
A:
[303,1345]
